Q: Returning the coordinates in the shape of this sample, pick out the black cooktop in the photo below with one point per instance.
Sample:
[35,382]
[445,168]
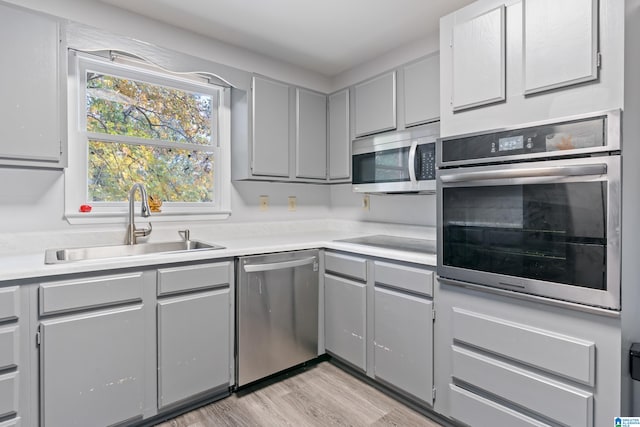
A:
[394,242]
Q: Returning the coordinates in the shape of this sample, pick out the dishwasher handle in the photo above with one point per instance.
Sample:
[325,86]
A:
[254,268]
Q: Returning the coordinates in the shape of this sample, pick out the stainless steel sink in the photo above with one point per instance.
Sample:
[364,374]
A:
[54,256]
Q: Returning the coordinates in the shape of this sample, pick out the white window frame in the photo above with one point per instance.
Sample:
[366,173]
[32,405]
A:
[76,184]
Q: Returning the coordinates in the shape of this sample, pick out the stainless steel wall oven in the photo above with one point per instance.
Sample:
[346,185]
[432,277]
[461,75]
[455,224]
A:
[534,209]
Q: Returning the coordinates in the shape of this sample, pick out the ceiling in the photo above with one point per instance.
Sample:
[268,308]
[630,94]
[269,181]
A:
[326,36]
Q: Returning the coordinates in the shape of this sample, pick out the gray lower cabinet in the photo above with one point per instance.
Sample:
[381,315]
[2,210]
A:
[120,348]
[379,318]
[345,319]
[92,368]
[403,342]
[504,361]
[193,345]
[10,363]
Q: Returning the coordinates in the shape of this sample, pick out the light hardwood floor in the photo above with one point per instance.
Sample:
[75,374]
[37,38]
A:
[320,396]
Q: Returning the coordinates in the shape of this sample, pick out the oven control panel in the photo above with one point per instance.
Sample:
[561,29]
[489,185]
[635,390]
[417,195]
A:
[558,138]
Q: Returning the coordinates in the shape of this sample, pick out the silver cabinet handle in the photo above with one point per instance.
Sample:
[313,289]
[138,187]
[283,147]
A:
[253,268]
[412,161]
[583,170]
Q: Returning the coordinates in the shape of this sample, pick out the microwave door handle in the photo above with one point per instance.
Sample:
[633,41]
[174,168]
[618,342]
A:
[412,162]
[544,172]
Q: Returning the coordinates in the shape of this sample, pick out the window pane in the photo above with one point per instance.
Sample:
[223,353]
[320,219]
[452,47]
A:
[121,106]
[170,174]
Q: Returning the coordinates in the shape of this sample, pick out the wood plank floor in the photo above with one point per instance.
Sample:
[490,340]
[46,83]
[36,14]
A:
[320,396]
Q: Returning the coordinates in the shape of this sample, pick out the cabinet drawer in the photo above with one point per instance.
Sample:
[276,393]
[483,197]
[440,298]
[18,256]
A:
[179,279]
[92,292]
[569,357]
[474,410]
[15,422]
[8,394]
[345,265]
[560,402]
[8,347]
[403,277]
[9,307]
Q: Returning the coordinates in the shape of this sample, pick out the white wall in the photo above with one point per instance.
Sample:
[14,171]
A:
[107,17]
[33,200]
[389,60]
[414,209]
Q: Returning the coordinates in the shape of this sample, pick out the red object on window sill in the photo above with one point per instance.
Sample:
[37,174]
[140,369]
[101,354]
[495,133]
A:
[85,208]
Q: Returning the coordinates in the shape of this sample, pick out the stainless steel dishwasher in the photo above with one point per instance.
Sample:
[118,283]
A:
[277,313]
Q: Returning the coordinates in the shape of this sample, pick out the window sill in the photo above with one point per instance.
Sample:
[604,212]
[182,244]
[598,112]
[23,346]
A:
[122,217]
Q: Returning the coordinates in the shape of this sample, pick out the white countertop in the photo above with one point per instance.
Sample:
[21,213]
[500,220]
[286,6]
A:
[31,265]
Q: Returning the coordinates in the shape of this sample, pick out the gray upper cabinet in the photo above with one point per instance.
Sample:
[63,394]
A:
[560,43]
[339,140]
[92,368]
[422,91]
[270,156]
[30,84]
[193,345]
[478,54]
[311,134]
[375,105]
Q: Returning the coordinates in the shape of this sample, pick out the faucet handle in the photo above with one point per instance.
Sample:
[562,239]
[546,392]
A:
[185,234]
[143,232]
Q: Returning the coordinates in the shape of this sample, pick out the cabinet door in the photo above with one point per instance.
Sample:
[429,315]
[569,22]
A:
[403,342]
[422,91]
[270,128]
[479,60]
[9,395]
[345,319]
[339,140]
[375,104]
[560,43]
[193,345]
[92,368]
[311,134]
[29,84]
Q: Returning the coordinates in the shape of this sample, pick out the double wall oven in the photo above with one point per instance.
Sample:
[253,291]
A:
[534,209]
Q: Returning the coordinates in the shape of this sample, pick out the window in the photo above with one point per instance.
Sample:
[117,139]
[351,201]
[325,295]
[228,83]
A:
[135,123]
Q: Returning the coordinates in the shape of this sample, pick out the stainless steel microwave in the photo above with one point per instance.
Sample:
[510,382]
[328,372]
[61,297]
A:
[400,162]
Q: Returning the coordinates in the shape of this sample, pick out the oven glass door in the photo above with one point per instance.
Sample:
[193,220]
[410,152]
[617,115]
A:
[534,227]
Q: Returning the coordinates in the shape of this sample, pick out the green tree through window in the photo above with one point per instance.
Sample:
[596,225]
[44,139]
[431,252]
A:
[155,134]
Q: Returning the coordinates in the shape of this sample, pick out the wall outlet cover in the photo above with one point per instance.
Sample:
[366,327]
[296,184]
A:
[293,203]
[366,202]
[264,203]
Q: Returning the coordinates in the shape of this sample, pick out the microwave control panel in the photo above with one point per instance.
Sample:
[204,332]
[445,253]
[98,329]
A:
[426,162]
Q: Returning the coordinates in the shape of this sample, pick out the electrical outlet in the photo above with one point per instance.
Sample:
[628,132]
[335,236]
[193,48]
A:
[264,203]
[293,203]
[366,203]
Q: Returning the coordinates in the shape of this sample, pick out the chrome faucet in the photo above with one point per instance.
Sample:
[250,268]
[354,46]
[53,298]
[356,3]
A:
[132,232]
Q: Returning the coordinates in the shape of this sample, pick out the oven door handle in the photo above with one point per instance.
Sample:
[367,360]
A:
[551,171]
[412,162]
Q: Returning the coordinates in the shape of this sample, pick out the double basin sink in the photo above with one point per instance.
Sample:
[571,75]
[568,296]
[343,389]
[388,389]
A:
[55,256]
